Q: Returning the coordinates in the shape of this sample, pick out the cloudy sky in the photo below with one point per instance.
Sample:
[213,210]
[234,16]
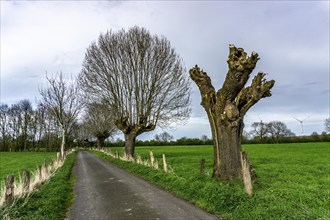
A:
[291,37]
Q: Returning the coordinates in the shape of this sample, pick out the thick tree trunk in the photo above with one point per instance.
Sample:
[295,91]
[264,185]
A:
[228,150]
[130,144]
[227,107]
[227,128]
[100,142]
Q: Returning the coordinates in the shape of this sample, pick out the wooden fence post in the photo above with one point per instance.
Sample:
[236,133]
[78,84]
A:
[9,195]
[152,158]
[202,167]
[51,165]
[40,172]
[117,155]
[45,167]
[165,164]
[138,159]
[246,174]
[26,180]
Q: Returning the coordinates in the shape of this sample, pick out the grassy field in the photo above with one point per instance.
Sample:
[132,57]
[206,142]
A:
[50,201]
[13,163]
[293,180]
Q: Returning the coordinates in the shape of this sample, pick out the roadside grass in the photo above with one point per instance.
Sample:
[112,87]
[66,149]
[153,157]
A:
[50,201]
[293,180]
[13,163]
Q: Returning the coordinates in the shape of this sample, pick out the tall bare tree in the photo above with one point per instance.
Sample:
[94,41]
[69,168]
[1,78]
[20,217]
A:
[142,79]
[227,107]
[26,116]
[99,122]
[62,101]
[4,109]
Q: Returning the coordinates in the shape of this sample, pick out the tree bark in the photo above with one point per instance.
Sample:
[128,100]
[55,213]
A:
[100,141]
[63,144]
[227,107]
[130,139]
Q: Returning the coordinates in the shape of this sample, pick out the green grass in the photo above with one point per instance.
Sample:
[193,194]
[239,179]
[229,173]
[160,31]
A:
[50,201]
[13,163]
[293,180]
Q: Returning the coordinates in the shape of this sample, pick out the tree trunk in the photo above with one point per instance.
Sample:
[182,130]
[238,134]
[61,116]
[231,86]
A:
[227,150]
[100,141]
[130,144]
[63,144]
[227,107]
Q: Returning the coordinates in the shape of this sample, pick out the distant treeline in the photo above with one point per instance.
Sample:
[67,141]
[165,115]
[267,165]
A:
[197,141]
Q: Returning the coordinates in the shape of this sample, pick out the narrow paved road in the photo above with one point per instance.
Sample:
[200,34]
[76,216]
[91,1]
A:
[104,191]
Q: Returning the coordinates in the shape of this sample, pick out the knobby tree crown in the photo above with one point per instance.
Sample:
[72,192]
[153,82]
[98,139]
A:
[140,76]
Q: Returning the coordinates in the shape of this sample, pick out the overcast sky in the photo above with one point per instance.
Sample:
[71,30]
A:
[291,37]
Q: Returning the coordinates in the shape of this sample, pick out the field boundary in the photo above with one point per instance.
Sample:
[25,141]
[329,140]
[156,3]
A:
[13,190]
[153,163]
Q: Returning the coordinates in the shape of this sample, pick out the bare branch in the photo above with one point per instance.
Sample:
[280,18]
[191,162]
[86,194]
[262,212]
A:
[205,86]
[62,100]
[260,88]
[140,76]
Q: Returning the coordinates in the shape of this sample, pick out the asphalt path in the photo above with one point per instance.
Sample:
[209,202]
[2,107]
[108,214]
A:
[104,191]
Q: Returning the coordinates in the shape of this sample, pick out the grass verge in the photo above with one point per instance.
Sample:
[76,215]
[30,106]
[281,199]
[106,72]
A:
[293,180]
[13,163]
[50,201]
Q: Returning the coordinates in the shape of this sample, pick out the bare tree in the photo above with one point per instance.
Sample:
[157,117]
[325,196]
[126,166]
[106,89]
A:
[227,107]
[157,138]
[204,138]
[165,137]
[26,116]
[140,77]
[327,125]
[260,129]
[4,109]
[99,122]
[62,101]
[14,125]
[278,129]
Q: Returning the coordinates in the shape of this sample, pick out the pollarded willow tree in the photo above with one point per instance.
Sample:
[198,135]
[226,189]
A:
[140,77]
[227,107]
[98,121]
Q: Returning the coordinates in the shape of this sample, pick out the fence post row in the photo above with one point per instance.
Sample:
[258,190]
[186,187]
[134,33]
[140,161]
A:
[10,186]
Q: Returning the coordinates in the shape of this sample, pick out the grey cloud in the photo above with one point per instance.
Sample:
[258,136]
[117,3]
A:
[291,38]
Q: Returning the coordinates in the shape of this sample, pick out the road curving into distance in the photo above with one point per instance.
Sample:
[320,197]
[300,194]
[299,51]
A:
[104,191]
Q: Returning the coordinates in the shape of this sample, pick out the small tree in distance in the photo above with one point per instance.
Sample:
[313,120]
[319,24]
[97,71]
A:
[327,125]
[98,121]
[204,138]
[140,77]
[164,137]
[260,129]
[278,130]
